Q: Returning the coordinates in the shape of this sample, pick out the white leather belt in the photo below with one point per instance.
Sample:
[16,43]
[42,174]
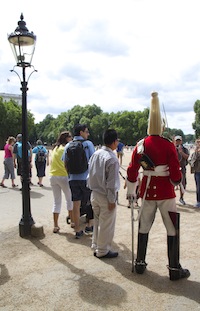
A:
[153,173]
[160,170]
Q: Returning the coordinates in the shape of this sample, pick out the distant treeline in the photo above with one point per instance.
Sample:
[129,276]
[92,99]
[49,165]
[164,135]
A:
[130,125]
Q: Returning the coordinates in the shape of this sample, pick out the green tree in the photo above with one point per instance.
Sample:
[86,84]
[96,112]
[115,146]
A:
[130,125]
[196,123]
[11,120]
[44,128]
[3,133]
[98,125]
[91,111]
[189,138]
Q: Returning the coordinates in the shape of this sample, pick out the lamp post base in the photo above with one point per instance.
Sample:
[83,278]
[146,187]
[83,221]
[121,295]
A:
[25,227]
[37,231]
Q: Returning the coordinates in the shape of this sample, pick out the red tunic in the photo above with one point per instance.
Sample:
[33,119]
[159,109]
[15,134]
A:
[162,152]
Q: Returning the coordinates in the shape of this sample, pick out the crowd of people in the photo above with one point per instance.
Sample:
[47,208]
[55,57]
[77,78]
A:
[13,160]
[90,181]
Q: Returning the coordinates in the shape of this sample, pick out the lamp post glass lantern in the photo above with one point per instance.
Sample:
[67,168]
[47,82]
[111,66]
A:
[23,45]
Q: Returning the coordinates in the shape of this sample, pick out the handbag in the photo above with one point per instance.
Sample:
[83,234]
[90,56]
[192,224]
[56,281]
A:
[192,169]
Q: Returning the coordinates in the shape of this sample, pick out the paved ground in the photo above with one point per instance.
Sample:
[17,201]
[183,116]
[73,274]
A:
[59,273]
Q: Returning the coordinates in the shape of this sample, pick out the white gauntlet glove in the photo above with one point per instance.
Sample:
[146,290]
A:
[131,189]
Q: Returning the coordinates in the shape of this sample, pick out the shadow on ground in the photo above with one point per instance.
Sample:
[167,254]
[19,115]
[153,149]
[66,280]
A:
[103,293]
[154,281]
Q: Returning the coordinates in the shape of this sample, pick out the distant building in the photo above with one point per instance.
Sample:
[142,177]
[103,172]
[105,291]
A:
[7,97]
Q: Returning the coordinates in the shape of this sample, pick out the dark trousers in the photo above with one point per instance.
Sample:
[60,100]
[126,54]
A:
[197,181]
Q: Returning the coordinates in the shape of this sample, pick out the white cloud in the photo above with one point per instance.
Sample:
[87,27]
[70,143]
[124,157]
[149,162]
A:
[111,53]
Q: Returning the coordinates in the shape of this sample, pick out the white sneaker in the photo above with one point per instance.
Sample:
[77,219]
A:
[182,201]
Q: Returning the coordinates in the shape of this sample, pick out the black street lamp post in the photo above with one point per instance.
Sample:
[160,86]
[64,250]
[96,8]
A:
[23,45]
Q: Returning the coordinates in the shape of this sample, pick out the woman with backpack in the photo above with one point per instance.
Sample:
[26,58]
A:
[41,159]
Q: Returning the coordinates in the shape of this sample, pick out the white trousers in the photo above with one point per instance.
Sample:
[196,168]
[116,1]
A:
[59,184]
[104,224]
[149,211]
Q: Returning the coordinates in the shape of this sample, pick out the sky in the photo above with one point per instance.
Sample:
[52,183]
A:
[111,53]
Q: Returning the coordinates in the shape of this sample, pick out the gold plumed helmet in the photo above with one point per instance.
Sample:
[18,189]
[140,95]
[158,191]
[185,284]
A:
[155,126]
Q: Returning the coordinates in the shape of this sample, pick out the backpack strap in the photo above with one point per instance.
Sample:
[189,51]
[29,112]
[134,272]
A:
[82,140]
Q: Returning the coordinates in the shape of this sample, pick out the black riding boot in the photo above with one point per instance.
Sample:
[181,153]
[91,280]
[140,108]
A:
[176,272]
[140,264]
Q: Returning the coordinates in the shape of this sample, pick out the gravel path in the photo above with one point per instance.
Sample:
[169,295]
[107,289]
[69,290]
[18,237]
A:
[60,273]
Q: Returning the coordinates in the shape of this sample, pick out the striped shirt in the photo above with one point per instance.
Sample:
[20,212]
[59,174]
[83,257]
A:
[104,173]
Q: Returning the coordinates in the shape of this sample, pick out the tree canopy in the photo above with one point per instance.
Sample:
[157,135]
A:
[11,120]
[130,125]
[196,124]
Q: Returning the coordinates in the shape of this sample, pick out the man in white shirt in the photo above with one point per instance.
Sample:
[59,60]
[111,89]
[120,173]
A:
[104,182]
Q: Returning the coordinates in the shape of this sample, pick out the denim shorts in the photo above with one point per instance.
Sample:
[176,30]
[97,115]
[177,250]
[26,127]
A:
[79,190]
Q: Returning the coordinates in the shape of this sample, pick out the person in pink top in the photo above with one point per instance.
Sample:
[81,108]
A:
[8,162]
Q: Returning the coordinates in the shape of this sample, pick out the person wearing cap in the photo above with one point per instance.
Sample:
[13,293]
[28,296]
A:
[183,155]
[17,155]
[161,172]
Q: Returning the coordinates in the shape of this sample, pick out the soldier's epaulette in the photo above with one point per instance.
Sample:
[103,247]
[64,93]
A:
[167,138]
[140,146]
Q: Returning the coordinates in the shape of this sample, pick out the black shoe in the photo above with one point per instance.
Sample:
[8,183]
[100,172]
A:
[89,230]
[178,273]
[79,234]
[68,220]
[110,254]
[140,266]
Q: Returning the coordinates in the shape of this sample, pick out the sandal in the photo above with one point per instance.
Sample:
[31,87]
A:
[56,229]
[14,186]
[72,225]
[2,185]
